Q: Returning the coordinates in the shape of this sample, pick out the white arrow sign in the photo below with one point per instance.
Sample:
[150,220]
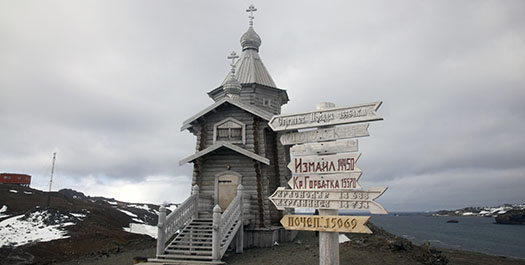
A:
[332,147]
[326,181]
[329,199]
[326,134]
[339,163]
[326,117]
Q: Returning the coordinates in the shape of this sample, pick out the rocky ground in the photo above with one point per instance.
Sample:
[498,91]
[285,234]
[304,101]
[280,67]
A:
[380,248]
[96,236]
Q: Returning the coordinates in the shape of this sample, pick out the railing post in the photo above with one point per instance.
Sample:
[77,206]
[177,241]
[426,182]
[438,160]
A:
[240,234]
[216,236]
[160,230]
[195,191]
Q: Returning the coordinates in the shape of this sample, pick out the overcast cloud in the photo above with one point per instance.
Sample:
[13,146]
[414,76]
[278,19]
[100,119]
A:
[107,85]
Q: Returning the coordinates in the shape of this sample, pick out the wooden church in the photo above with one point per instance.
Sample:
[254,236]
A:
[238,162]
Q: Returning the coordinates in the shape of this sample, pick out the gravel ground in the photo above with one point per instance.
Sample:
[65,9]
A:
[362,250]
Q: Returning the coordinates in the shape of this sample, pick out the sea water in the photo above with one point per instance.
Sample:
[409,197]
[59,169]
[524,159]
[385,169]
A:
[479,234]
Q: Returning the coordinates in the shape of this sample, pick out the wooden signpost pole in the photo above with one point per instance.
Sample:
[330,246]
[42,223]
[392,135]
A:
[328,241]
[324,174]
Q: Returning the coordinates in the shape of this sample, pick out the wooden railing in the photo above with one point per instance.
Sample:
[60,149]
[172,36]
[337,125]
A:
[230,220]
[176,220]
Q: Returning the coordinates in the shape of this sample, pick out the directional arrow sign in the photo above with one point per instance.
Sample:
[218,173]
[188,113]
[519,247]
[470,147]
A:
[326,117]
[329,199]
[326,181]
[332,147]
[324,164]
[326,223]
[326,134]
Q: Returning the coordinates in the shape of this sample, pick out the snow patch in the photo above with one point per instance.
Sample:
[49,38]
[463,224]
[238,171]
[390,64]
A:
[343,238]
[142,229]
[20,230]
[13,191]
[78,215]
[3,210]
[28,192]
[172,207]
[137,220]
[112,203]
[128,213]
[143,207]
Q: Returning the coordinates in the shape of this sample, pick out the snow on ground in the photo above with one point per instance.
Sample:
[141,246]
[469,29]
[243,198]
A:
[143,207]
[172,207]
[137,220]
[2,211]
[78,215]
[112,203]
[343,238]
[13,191]
[20,230]
[28,192]
[128,213]
[142,229]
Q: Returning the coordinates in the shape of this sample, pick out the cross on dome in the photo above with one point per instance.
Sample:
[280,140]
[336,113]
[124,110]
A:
[233,56]
[251,9]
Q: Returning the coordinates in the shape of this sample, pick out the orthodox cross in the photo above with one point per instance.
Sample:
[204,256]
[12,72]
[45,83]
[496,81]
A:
[251,9]
[233,56]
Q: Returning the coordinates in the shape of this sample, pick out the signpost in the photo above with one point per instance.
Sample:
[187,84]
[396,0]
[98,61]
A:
[325,134]
[326,117]
[326,223]
[326,181]
[360,200]
[339,163]
[325,173]
[324,148]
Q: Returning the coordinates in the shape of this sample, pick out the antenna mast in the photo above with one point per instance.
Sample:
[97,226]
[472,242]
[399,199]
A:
[52,171]
[51,180]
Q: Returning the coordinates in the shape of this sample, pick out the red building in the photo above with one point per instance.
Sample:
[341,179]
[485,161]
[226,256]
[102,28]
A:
[14,178]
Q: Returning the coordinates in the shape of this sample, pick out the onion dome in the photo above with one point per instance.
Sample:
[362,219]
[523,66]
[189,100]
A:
[250,40]
[232,87]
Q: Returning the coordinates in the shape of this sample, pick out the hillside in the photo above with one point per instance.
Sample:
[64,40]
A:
[482,211]
[73,226]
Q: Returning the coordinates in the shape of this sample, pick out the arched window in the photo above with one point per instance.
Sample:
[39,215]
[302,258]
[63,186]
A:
[229,130]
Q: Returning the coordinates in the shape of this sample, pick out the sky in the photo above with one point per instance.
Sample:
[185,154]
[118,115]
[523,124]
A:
[107,84]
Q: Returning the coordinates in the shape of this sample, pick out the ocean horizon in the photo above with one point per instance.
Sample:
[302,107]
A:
[471,233]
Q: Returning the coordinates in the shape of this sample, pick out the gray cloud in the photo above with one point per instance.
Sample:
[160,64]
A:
[108,84]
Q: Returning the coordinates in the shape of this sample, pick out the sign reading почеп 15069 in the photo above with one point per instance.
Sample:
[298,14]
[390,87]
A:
[326,117]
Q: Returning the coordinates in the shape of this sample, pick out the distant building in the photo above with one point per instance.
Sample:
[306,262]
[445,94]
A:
[15,178]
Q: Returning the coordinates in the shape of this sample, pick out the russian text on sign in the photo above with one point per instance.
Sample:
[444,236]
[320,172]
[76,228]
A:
[329,199]
[326,223]
[326,117]
[339,163]
[326,181]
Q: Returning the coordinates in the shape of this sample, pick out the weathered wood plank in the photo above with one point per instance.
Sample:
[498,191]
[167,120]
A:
[325,134]
[326,117]
[339,163]
[329,199]
[332,147]
[326,181]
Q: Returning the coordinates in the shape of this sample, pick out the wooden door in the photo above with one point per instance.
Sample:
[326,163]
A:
[227,189]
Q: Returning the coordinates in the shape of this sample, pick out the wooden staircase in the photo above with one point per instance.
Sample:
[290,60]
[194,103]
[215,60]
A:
[200,239]
[192,245]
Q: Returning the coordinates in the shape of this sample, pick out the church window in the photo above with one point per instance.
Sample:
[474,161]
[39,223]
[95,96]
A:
[229,130]
[267,102]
